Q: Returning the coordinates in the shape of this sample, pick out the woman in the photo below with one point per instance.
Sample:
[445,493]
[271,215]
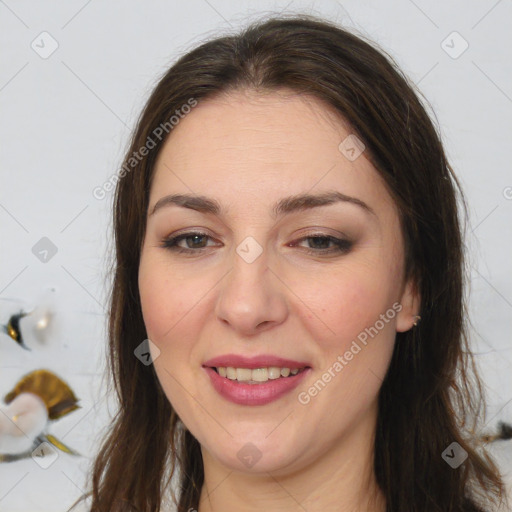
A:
[287,327]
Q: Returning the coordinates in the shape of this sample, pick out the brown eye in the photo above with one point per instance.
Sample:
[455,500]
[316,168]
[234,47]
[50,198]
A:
[322,244]
[194,241]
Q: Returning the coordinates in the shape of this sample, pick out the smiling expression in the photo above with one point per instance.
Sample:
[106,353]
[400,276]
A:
[267,239]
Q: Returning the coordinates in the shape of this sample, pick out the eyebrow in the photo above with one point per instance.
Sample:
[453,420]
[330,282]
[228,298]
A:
[300,202]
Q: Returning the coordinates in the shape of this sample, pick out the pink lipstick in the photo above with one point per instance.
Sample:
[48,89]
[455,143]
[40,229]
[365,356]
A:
[275,377]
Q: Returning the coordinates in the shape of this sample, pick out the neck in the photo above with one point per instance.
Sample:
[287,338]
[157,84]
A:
[340,480]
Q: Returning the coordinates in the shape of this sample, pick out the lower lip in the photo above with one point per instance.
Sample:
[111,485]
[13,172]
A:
[254,394]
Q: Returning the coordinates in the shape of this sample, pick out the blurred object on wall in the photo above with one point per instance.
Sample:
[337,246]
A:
[35,323]
[12,329]
[503,433]
[38,398]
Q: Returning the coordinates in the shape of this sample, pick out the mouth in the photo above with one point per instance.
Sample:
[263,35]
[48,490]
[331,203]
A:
[257,375]
[255,386]
[255,380]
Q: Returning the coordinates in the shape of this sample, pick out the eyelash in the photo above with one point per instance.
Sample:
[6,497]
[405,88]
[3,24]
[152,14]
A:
[342,246]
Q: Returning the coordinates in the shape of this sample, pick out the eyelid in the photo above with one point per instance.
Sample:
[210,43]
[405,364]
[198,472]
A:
[317,231]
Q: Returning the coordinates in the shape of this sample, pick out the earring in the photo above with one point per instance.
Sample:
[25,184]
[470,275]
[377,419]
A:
[417,318]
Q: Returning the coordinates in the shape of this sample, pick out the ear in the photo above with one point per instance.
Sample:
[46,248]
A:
[411,302]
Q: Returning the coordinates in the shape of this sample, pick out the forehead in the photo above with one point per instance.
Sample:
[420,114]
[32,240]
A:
[262,123]
[263,145]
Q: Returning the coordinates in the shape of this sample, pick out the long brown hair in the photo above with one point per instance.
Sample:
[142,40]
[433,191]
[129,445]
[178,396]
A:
[431,390]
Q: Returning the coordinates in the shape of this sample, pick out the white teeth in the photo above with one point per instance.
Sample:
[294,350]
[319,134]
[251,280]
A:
[274,372]
[256,374]
[243,374]
[259,374]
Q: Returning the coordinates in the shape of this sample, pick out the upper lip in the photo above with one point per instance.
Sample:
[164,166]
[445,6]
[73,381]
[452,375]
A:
[260,361]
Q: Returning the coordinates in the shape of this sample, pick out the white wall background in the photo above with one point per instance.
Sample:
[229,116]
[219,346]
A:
[65,123]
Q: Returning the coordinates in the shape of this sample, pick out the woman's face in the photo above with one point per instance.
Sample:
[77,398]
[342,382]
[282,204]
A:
[270,275]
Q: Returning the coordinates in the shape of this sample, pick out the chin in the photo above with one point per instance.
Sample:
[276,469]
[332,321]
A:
[254,455]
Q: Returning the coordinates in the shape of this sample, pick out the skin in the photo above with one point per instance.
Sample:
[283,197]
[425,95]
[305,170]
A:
[247,150]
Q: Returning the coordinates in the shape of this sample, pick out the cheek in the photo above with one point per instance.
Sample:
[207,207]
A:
[354,329]
[168,313]
[340,305]
[162,307]
[174,306]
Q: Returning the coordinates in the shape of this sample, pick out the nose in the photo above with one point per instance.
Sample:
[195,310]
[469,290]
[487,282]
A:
[251,298]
